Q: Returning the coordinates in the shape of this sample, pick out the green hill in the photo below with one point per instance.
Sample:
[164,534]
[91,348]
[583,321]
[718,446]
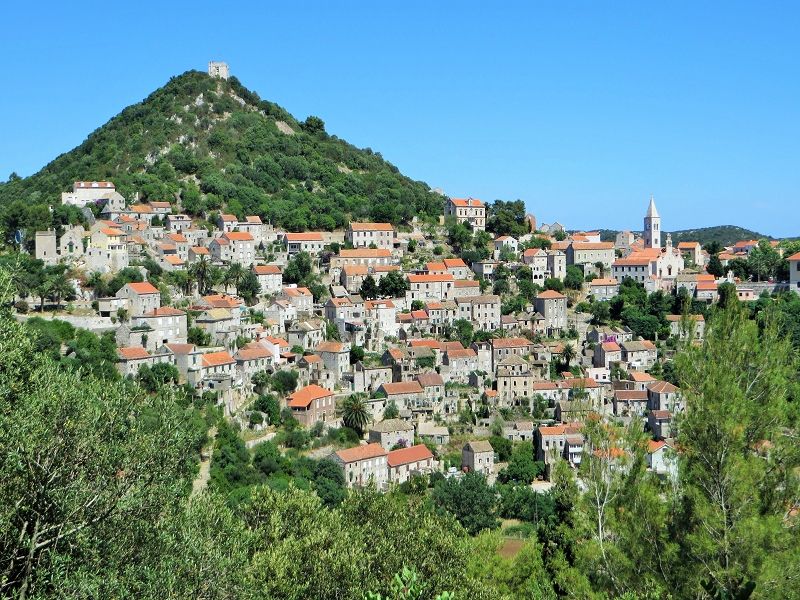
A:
[214,144]
[724,234]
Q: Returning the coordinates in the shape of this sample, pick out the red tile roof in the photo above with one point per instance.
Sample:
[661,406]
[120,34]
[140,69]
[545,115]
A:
[267,270]
[405,456]
[222,301]
[165,311]
[367,452]
[515,342]
[238,236]
[305,396]
[412,278]
[402,387]
[593,246]
[330,346]
[452,263]
[216,359]
[550,295]
[364,253]
[143,288]
[466,202]
[308,236]
[132,353]
[371,227]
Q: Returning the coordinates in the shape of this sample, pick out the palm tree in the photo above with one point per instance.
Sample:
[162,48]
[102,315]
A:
[191,278]
[59,287]
[233,277]
[568,355]
[355,413]
[201,270]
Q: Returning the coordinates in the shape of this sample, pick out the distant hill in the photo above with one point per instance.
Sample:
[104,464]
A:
[724,234]
[214,144]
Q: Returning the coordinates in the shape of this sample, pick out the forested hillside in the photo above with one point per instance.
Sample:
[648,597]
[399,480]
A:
[725,235]
[214,144]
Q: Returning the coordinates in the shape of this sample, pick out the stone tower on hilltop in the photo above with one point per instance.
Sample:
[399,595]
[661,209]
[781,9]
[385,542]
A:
[218,69]
[652,226]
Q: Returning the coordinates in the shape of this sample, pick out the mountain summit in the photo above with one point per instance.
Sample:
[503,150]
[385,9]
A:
[212,144]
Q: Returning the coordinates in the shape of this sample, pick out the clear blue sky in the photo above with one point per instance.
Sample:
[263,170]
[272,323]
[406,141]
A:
[582,109]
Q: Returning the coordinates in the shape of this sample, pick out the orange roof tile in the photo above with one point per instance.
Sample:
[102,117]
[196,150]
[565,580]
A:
[605,281]
[222,301]
[364,253]
[371,227]
[402,387]
[267,270]
[515,342]
[466,202]
[238,236]
[367,452]
[132,353]
[111,232]
[593,246]
[165,311]
[412,278]
[305,396]
[405,456]
[216,359]
[308,236]
[550,295]
[143,287]
[452,263]
[329,346]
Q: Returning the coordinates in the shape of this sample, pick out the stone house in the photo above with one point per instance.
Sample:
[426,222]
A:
[432,386]
[270,278]
[553,307]
[392,432]
[629,403]
[604,289]
[300,297]
[682,327]
[369,378]
[405,394]
[309,241]
[336,357]
[404,463]
[363,465]
[428,287]
[639,354]
[139,297]
[361,235]
[469,211]
[662,395]
[436,434]
[502,348]
[482,311]
[306,334]
[312,404]
[478,456]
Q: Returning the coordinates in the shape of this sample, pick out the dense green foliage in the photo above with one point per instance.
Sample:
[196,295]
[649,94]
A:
[724,235]
[214,144]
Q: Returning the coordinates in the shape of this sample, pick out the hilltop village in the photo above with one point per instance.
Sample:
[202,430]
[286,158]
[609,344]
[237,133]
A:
[431,342]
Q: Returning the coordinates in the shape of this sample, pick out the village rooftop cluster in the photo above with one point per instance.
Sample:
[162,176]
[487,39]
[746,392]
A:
[387,325]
